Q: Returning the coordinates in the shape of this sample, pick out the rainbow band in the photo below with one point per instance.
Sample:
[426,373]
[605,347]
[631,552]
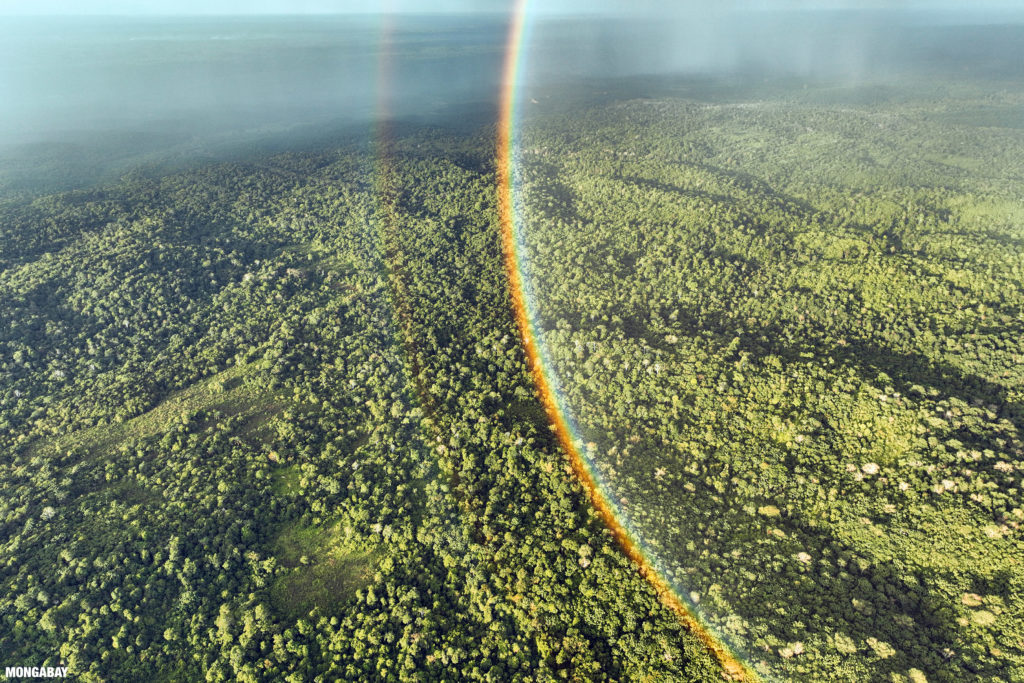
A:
[545,380]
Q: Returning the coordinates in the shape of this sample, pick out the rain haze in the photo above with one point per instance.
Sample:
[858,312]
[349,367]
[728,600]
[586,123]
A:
[146,76]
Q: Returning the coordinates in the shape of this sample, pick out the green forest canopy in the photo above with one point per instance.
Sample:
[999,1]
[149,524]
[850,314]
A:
[264,421]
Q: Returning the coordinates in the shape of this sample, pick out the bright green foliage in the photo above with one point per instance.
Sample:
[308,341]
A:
[257,424]
[792,331]
[270,419]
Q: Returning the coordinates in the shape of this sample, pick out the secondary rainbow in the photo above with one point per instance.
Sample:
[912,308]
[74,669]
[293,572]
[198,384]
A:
[545,379]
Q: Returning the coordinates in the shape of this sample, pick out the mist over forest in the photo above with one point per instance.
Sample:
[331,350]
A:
[92,91]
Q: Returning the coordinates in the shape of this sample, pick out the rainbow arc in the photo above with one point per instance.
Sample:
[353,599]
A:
[545,378]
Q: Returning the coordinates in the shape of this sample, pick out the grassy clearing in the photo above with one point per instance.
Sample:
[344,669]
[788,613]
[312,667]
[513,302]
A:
[227,393]
[287,481]
[971,164]
[325,569]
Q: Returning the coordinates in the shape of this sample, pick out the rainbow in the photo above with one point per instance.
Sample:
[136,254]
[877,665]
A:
[540,367]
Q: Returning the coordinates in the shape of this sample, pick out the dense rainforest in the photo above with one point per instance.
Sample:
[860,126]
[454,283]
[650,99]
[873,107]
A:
[791,334]
[269,418]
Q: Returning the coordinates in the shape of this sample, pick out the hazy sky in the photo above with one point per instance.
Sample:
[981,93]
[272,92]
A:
[74,7]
